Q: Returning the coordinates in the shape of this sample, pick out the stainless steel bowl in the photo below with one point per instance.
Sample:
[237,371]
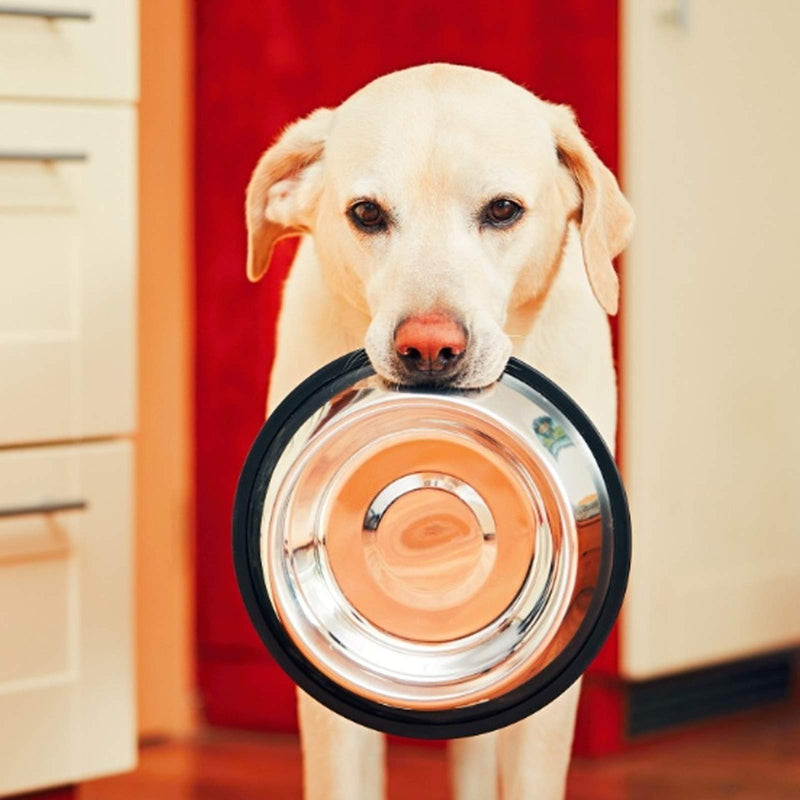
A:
[428,562]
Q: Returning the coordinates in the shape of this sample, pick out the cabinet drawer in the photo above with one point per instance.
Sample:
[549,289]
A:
[84,49]
[66,660]
[67,271]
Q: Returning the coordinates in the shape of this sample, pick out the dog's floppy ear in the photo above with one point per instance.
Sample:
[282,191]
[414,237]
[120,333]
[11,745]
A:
[606,216]
[284,189]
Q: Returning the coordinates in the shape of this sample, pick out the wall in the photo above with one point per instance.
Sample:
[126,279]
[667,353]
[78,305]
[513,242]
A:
[164,481]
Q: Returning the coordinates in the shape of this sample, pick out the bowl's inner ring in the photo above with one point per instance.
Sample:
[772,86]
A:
[429,537]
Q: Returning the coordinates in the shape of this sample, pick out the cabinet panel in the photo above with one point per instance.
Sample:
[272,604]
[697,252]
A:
[711,433]
[66,661]
[67,260]
[82,49]
[43,622]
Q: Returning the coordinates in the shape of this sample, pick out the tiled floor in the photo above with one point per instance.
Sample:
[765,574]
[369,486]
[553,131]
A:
[756,757]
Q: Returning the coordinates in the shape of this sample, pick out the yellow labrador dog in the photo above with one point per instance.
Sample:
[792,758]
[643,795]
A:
[450,219]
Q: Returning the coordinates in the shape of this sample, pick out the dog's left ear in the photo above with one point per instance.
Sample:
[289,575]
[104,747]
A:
[284,189]
[606,216]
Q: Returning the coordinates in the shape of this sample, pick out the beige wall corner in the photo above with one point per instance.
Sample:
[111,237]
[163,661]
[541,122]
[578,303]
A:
[164,506]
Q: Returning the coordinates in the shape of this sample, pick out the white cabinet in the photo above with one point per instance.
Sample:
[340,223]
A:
[67,271]
[81,49]
[66,683]
[68,82]
[711,332]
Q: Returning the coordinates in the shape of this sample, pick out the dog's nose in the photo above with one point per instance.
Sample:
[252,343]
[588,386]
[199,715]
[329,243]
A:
[430,345]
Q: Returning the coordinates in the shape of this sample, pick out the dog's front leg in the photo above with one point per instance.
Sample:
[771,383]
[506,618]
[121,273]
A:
[533,755]
[341,760]
[473,767]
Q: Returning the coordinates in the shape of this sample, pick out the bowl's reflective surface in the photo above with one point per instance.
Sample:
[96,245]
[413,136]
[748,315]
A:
[432,550]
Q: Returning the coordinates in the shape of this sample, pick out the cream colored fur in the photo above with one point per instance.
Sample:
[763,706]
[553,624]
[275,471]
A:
[434,144]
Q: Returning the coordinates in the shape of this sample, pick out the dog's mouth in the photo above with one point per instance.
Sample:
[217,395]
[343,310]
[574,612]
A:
[396,377]
[439,375]
[395,381]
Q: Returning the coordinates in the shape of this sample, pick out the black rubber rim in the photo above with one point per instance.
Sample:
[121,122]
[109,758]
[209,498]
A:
[511,707]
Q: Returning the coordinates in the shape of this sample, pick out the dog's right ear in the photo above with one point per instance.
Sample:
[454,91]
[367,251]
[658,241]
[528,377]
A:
[285,188]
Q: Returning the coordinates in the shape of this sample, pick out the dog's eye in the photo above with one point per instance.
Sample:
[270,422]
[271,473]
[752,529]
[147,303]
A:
[368,215]
[501,212]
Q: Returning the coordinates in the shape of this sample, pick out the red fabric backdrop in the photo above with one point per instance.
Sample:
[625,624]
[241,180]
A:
[259,66]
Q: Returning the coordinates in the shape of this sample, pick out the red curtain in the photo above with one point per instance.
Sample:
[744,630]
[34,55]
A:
[259,65]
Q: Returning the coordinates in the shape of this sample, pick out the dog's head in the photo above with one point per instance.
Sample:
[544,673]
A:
[438,198]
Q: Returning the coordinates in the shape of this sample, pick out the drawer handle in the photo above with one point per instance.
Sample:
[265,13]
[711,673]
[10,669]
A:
[44,508]
[44,13]
[45,155]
